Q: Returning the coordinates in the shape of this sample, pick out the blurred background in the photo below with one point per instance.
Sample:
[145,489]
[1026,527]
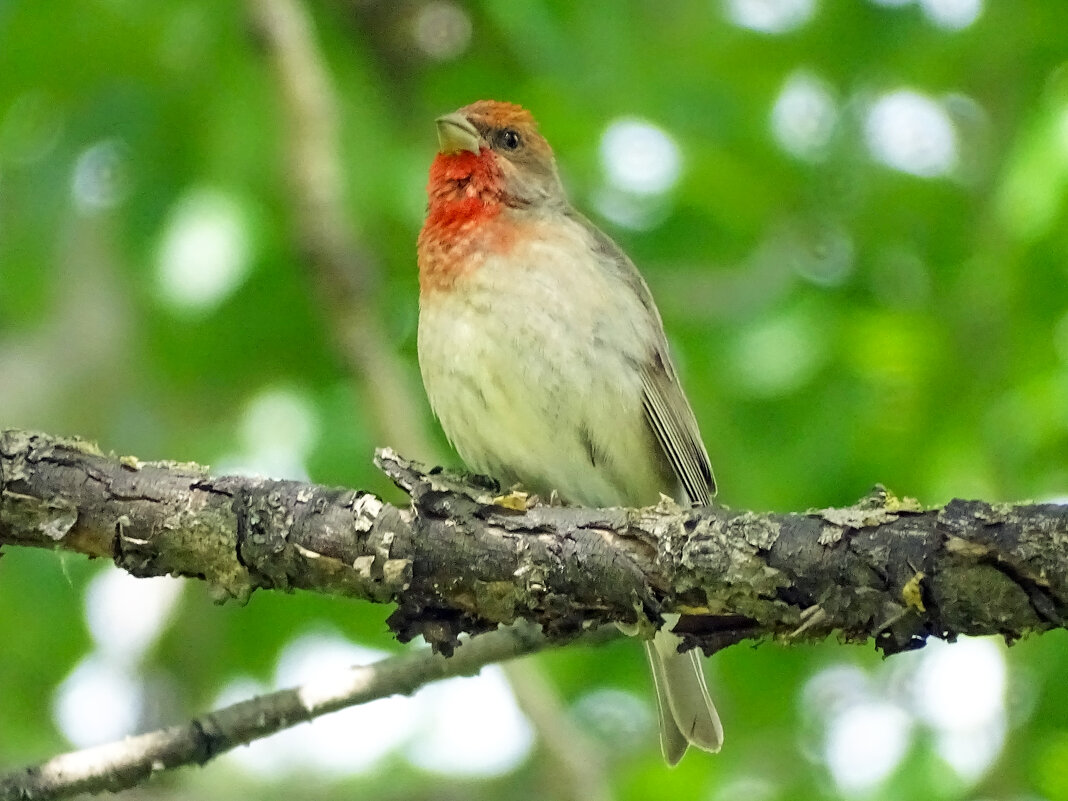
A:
[852,214]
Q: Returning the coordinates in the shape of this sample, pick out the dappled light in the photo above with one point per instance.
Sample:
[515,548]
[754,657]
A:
[462,727]
[954,695]
[99,701]
[470,727]
[442,29]
[804,116]
[279,429]
[126,615]
[641,165]
[777,356]
[865,743]
[953,15]
[100,178]
[204,251]
[910,132]
[770,16]
[639,157]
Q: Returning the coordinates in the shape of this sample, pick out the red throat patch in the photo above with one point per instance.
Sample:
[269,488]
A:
[464,194]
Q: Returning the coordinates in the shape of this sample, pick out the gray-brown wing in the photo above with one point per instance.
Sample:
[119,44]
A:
[666,408]
[672,420]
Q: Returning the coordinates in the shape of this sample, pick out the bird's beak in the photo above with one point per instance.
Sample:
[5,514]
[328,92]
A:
[456,134]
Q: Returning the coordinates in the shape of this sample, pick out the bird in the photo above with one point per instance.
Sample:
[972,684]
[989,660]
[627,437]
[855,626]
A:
[544,357]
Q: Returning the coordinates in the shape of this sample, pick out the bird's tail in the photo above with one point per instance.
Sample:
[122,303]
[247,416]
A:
[687,715]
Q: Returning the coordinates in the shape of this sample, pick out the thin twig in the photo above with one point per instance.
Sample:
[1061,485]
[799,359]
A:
[344,272]
[123,764]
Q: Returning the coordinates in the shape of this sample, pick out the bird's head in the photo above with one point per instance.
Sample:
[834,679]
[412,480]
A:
[491,152]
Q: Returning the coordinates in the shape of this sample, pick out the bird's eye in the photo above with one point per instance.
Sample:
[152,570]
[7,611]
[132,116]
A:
[508,139]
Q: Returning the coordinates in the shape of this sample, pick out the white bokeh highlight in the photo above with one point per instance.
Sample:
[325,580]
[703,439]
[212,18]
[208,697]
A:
[126,615]
[98,702]
[343,743]
[952,15]
[865,743]
[770,16]
[204,252]
[866,720]
[960,694]
[804,115]
[639,157]
[621,719]
[641,164]
[912,133]
[100,178]
[442,29]
[470,727]
[102,698]
[278,430]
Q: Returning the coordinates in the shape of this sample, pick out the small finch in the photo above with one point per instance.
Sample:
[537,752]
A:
[544,357]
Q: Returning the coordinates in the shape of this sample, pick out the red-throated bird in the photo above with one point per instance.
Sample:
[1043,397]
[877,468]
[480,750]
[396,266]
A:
[545,359]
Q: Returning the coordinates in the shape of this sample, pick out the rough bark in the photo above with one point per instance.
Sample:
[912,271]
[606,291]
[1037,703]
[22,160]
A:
[459,559]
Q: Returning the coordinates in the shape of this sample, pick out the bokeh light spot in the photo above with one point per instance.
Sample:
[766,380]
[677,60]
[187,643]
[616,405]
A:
[639,157]
[442,29]
[100,178]
[278,429]
[804,116]
[912,133]
[353,739]
[778,356]
[126,615]
[620,719]
[471,727]
[637,212]
[98,702]
[280,418]
[770,16]
[204,252]
[343,743]
[961,685]
[821,253]
[952,15]
[865,743]
[960,692]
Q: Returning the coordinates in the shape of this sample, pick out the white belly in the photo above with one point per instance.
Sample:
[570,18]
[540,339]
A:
[533,375]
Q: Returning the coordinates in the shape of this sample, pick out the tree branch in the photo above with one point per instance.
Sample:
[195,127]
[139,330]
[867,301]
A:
[345,273]
[123,764]
[455,561]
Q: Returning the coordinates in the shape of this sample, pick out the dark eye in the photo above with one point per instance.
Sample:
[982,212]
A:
[508,139]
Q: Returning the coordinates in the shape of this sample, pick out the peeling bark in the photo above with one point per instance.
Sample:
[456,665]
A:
[459,559]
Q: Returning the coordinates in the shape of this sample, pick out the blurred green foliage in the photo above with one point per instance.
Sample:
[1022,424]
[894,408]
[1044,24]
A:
[839,321]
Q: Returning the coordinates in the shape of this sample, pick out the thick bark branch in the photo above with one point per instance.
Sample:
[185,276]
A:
[455,561]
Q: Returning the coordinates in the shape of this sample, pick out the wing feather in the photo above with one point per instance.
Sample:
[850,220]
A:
[673,422]
[667,411]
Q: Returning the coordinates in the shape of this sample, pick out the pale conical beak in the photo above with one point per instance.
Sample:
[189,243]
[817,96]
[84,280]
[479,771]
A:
[456,133]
